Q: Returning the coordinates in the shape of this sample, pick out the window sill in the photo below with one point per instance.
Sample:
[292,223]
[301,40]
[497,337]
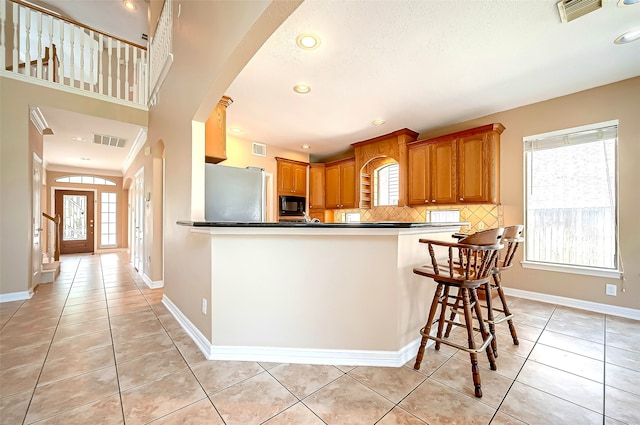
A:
[588,271]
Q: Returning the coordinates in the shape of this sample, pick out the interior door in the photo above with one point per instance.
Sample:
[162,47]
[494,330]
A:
[76,211]
[138,221]
[36,219]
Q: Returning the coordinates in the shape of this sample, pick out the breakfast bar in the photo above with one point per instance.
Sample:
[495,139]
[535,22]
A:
[327,293]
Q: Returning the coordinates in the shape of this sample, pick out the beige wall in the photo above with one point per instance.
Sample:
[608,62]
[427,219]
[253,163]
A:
[15,166]
[230,32]
[615,101]
[151,159]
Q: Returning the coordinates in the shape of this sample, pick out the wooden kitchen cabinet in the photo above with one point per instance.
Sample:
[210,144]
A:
[316,187]
[432,173]
[292,177]
[340,184]
[215,133]
[479,166]
[462,167]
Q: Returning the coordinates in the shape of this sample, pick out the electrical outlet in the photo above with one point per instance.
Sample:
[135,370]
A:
[611,289]
[481,225]
[204,306]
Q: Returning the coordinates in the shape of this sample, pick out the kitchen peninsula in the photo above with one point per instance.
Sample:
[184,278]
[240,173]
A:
[326,293]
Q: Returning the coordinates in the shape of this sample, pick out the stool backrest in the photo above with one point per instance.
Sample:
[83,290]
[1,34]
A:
[485,237]
[512,237]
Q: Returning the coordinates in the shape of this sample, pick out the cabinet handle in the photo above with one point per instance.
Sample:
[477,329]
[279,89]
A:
[433,200]
[426,201]
[462,199]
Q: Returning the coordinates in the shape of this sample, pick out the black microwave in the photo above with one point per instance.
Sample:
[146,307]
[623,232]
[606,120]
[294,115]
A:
[292,205]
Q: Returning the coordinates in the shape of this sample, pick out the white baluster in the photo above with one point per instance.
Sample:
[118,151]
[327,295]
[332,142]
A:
[27,44]
[82,39]
[72,56]
[92,51]
[136,74]
[118,67]
[3,19]
[14,62]
[109,51]
[39,61]
[51,65]
[62,49]
[100,61]
[126,73]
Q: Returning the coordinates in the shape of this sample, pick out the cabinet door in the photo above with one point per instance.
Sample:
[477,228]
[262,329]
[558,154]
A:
[332,186]
[473,169]
[317,214]
[285,177]
[442,173]
[316,187]
[348,185]
[418,175]
[215,139]
[299,180]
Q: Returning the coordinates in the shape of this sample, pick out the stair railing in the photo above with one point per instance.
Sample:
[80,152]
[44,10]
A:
[56,221]
[84,58]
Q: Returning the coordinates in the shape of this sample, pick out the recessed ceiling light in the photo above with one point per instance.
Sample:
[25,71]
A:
[305,147]
[623,3]
[308,41]
[301,88]
[378,122]
[628,37]
[78,139]
[235,130]
[129,4]
[84,158]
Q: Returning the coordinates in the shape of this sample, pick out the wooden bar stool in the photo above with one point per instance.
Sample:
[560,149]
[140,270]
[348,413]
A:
[467,267]
[511,239]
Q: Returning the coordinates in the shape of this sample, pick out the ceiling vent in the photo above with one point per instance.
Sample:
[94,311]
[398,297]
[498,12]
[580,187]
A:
[258,149]
[572,9]
[103,139]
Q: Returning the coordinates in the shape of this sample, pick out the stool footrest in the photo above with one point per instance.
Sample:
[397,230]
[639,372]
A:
[480,349]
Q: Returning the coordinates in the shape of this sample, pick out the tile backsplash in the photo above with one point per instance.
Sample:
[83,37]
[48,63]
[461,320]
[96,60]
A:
[480,217]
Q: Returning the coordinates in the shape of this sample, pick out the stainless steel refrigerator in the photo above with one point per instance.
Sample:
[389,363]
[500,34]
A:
[234,194]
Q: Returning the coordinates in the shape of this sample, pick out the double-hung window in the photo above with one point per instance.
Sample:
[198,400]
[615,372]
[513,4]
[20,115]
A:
[386,182]
[571,200]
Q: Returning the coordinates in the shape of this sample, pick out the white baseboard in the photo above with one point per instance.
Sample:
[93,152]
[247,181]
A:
[110,250]
[15,296]
[572,302]
[152,284]
[294,355]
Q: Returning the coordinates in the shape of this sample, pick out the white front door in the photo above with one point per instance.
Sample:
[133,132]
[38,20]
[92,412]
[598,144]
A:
[36,220]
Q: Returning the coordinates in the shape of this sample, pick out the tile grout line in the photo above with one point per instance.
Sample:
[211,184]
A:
[44,361]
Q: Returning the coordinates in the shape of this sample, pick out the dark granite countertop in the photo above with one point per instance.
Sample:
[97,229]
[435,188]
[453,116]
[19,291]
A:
[295,224]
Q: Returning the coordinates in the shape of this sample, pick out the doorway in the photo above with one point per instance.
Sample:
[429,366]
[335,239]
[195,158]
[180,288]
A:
[76,213]
[36,249]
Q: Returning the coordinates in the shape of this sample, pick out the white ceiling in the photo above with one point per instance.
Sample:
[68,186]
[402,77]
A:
[419,64]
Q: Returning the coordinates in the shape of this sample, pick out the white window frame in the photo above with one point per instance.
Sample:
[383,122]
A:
[102,222]
[376,184]
[613,273]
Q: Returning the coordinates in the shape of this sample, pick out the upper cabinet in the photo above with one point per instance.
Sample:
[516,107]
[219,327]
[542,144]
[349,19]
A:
[292,177]
[462,167]
[215,133]
[316,187]
[340,184]
[432,173]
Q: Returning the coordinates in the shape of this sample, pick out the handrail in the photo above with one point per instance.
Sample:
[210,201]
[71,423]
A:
[56,220]
[71,21]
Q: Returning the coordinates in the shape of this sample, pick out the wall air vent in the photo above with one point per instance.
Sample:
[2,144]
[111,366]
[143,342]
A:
[258,149]
[572,9]
[103,139]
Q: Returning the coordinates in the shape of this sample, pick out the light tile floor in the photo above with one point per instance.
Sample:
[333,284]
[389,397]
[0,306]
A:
[98,347]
